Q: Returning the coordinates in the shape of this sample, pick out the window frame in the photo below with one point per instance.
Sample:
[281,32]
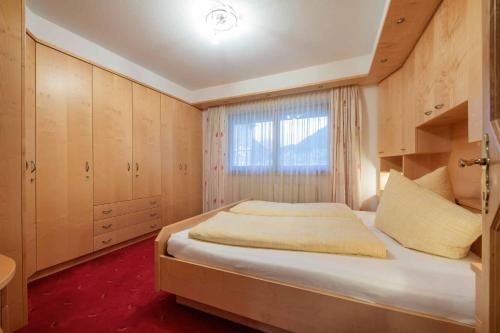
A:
[276,166]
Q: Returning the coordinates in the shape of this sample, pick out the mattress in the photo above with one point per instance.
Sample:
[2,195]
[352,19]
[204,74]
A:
[406,279]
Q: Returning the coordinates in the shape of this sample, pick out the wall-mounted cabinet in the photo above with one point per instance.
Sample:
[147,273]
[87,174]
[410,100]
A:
[437,81]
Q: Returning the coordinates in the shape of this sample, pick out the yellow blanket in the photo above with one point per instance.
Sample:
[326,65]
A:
[313,234]
[316,209]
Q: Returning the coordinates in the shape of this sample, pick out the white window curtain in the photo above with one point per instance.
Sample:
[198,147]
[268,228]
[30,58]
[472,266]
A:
[282,149]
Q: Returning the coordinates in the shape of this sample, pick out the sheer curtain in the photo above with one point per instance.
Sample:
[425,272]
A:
[281,149]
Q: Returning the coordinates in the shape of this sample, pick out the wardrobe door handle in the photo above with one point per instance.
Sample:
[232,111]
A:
[438,106]
[107,241]
[27,165]
[107,211]
[185,166]
[428,113]
[87,166]
[136,166]
[33,166]
[128,166]
[107,226]
[180,166]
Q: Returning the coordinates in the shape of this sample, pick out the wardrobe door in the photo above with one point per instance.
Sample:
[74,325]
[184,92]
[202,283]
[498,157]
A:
[180,158]
[167,159]
[64,155]
[29,184]
[112,127]
[195,159]
[146,142]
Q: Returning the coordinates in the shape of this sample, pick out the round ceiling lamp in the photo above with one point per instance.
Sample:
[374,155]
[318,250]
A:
[221,19]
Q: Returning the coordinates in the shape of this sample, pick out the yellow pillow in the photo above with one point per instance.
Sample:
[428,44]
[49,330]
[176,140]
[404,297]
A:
[423,220]
[438,181]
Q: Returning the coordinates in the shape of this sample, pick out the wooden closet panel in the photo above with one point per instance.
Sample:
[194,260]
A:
[168,160]
[390,123]
[457,64]
[408,104]
[195,162]
[181,151]
[146,142]
[440,98]
[29,188]
[112,130]
[424,72]
[11,113]
[64,156]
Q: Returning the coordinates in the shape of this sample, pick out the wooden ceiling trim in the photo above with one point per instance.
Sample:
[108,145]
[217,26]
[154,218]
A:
[403,25]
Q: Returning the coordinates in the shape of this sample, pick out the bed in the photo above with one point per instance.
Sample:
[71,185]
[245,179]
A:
[277,290]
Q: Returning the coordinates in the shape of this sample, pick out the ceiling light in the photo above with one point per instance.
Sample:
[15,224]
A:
[221,20]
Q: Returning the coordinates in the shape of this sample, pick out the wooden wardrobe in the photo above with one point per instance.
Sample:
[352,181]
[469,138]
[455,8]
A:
[108,160]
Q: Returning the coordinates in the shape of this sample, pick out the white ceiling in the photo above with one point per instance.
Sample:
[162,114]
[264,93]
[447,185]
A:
[278,36]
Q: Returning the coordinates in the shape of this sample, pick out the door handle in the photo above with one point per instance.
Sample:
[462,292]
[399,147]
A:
[484,162]
[478,161]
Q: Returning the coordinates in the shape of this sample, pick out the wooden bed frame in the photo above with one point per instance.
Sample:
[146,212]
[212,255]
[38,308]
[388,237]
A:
[274,306]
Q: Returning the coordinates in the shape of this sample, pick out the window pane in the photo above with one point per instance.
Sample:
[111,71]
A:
[304,143]
[251,145]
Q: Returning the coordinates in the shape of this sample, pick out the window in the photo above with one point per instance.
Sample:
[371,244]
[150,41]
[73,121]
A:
[282,142]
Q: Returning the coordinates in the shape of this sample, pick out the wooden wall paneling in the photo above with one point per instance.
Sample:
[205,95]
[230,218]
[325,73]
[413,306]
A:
[112,132]
[146,142]
[12,33]
[64,157]
[29,148]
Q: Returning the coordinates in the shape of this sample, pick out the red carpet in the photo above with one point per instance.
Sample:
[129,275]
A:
[114,293]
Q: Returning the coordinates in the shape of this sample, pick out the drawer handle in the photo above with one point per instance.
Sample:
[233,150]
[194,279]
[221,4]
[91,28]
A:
[107,226]
[438,106]
[152,226]
[152,203]
[152,214]
[428,113]
[107,241]
[403,149]
[380,152]
[107,211]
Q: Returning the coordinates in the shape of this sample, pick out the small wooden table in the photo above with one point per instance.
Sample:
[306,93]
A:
[7,271]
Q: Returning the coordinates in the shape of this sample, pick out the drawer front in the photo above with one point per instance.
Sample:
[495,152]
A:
[124,207]
[124,234]
[123,221]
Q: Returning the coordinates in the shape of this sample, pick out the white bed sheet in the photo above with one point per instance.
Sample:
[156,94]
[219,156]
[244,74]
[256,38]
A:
[407,279]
